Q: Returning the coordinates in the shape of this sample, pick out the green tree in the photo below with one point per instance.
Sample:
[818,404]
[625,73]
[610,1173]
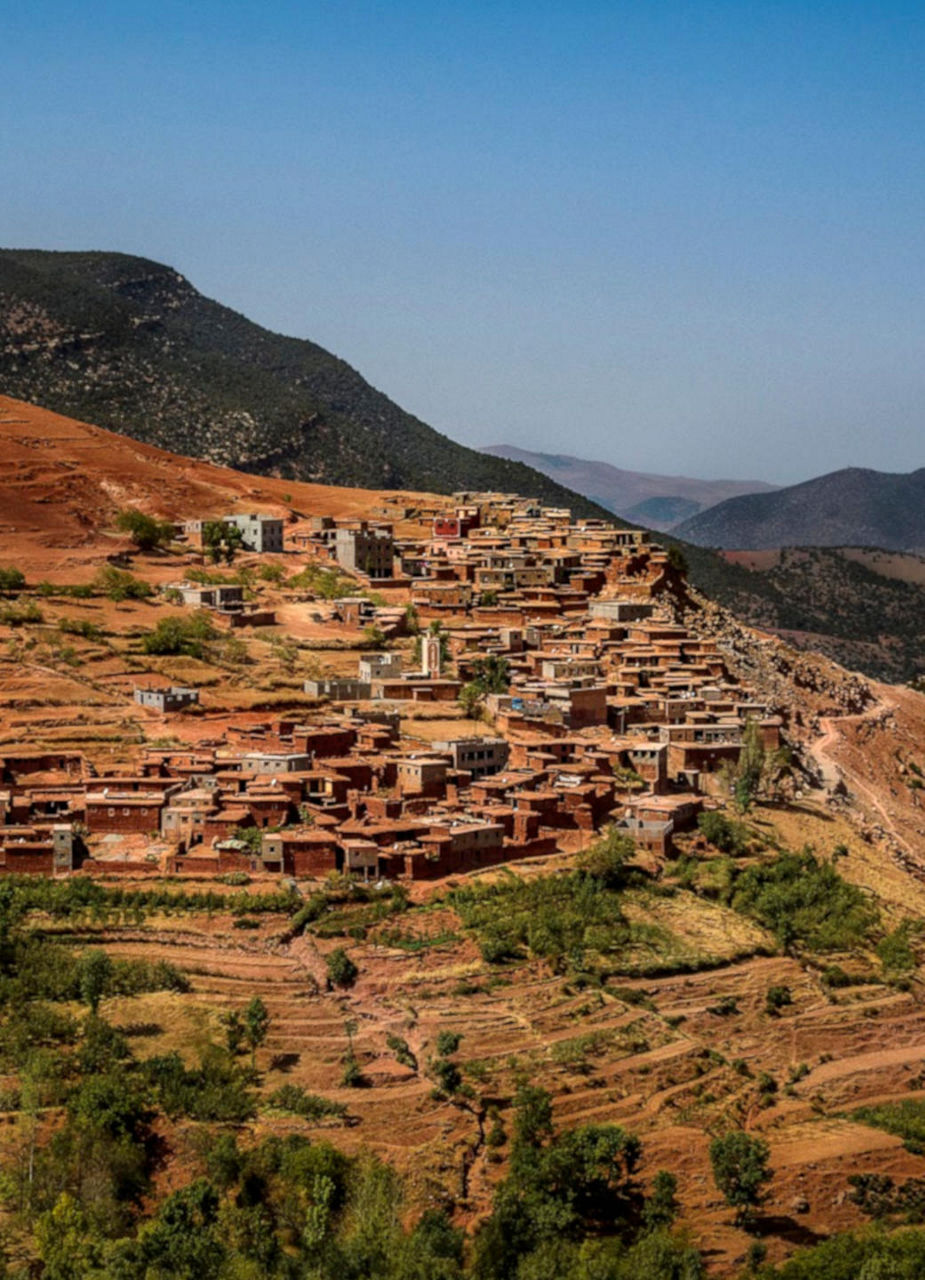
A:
[66,1241]
[342,972]
[95,973]
[256,1026]
[221,540]
[740,1170]
[176,635]
[662,1206]
[750,768]
[183,1241]
[117,584]
[145,531]
[235,1032]
[607,858]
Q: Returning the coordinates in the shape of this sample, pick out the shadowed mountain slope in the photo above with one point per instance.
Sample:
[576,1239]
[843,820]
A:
[853,507]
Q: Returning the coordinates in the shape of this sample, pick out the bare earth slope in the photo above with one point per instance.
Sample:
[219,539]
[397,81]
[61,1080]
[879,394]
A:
[62,482]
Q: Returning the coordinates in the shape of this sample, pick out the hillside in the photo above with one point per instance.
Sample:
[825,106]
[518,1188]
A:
[658,502]
[863,608]
[853,507]
[62,483]
[129,344]
[398,1022]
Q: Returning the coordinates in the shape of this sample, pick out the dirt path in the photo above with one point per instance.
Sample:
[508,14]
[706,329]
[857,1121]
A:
[835,772]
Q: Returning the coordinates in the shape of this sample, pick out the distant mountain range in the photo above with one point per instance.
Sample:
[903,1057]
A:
[853,507]
[658,502]
[130,345]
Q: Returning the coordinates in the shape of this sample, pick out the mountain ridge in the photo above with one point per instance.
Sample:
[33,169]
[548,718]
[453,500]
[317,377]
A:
[131,345]
[853,506]
[658,501]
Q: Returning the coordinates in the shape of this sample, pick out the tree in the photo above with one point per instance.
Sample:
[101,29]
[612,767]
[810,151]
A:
[750,768]
[491,674]
[662,1205]
[234,1031]
[677,559]
[95,972]
[178,635]
[65,1240]
[740,1170]
[220,539]
[606,859]
[145,531]
[374,637]
[256,1026]
[342,972]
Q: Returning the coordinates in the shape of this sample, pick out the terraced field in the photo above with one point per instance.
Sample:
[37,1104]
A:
[675,1057]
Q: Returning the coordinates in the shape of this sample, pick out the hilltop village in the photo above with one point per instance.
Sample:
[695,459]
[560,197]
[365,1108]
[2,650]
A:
[593,708]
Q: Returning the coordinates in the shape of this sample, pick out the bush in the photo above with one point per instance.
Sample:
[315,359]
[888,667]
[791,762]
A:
[117,584]
[216,1090]
[722,833]
[342,972]
[606,859]
[80,627]
[905,1119]
[180,635]
[19,615]
[777,998]
[12,579]
[895,953]
[804,901]
[145,531]
[293,1098]
[448,1042]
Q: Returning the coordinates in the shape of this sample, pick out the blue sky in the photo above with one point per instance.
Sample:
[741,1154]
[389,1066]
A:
[681,237]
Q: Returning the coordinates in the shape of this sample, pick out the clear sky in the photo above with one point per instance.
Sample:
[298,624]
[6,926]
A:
[682,237]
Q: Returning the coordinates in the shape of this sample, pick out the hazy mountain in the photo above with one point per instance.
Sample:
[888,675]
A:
[853,507]
[656,501]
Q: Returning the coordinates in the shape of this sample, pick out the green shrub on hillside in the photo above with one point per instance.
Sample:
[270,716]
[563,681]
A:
[180,635]
[804,902]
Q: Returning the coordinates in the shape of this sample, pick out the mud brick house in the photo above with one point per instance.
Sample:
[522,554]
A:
[183,819]
[20,765]
[170,699]
[422,775]
[380,666]
[37,850]
[445,850]
[112,811]
[478,757]
[301,853]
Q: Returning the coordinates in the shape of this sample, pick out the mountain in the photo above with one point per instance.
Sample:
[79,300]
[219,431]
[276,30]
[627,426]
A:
[656,501]
[130,345]
[853,507]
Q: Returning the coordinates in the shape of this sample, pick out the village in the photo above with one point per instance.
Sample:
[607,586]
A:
[587,706]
